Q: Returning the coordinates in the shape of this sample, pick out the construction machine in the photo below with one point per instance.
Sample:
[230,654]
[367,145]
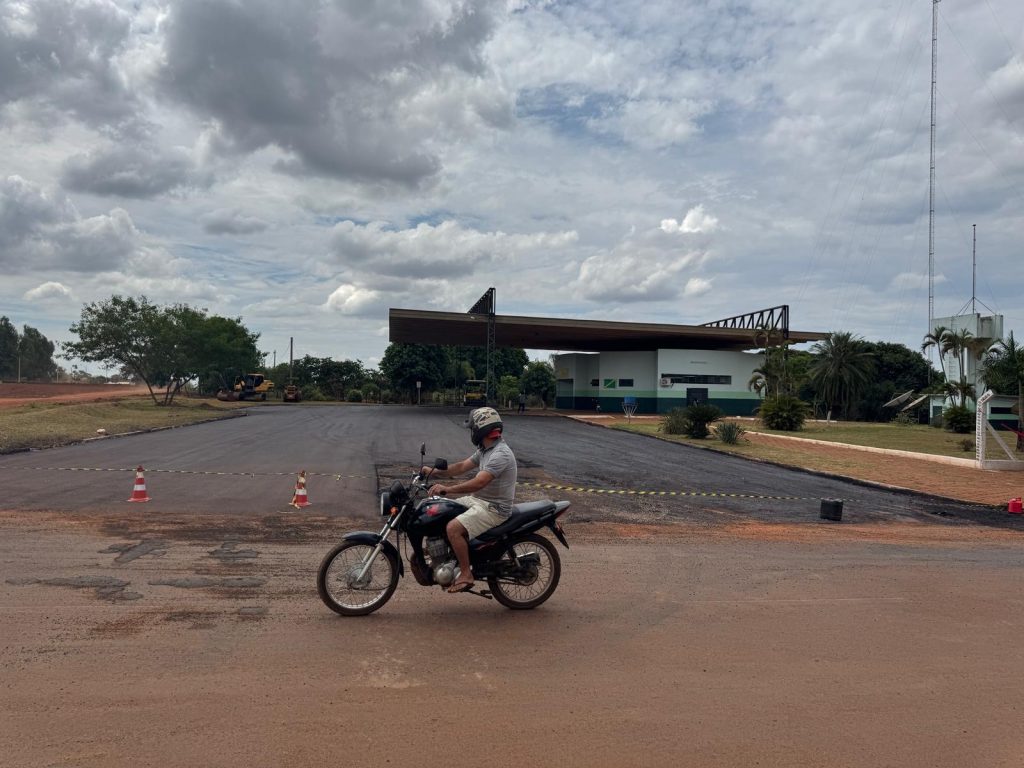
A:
[252,386]
[475,393]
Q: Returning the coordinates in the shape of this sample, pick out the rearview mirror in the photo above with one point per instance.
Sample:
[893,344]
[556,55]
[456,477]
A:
[441,464]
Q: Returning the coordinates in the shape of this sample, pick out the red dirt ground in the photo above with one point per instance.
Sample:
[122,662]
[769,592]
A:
[13,394]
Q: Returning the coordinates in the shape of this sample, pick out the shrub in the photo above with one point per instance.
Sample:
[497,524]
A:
[905,419]
[692,421]
[785,412]
[675,422]
[936,421]
[958,419]
[313,393]
[729,432]
[355,396]
[371,393]
[966,445]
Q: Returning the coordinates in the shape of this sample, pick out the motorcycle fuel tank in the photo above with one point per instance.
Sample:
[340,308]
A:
[433,514]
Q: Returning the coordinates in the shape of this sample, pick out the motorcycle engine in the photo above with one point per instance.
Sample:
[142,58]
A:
[441,560]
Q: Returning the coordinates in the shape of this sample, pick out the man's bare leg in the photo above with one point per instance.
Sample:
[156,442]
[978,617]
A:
[458,536]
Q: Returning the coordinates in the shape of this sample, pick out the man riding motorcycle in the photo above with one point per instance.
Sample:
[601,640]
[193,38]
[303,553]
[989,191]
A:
[489,494]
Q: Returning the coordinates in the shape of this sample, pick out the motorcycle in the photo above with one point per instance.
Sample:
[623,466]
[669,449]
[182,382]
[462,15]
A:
[521,567]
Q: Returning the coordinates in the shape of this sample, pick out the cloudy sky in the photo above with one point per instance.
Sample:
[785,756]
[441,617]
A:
[306,165]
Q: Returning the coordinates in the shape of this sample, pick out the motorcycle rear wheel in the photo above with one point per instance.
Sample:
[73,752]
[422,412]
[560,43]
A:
[534,584]
[340,590]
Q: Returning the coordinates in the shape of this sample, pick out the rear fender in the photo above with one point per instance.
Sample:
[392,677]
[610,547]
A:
[368,537]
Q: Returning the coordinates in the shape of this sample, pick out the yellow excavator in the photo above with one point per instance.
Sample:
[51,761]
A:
[252,386]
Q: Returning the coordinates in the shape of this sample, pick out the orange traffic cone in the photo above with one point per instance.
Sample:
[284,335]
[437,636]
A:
[300,498]
[139,491]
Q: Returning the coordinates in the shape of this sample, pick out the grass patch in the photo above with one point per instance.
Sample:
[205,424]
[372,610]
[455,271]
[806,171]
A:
[914,438]
[44,425]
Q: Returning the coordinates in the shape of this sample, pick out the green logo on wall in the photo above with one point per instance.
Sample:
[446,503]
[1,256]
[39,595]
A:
[610,383]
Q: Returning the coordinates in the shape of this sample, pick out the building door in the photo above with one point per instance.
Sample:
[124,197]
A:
[696,395]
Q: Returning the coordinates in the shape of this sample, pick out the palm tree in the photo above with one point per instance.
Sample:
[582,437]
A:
[758,382]
[841,369]
[936,339]
[1001,369]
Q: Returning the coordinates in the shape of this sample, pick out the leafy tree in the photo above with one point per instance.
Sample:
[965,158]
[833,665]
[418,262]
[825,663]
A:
[841,370]
[508,389]
[8,349]
[36,355]
[1002,370]
[219,348]
[163,346]
[335,378]
[508,361]
[897,369]
[405,364]
[539,379]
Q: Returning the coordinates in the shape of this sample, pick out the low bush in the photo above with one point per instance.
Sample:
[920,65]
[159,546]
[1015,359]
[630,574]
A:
[785,413]
[966,445]
[729,432]
[355,396]
[692,421]
[959,419]
[674,422]
[313,393]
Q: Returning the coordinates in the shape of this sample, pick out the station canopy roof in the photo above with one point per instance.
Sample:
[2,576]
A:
[413,326]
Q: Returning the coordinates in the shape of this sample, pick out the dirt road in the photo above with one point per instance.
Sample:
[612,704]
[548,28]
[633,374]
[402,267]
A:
[143,640]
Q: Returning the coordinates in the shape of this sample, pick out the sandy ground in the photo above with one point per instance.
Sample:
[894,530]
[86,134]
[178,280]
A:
[137,636]
[14,394]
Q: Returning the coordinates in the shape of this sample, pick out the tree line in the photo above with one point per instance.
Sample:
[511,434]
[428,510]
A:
[851,378]
[171,347]
[27,355]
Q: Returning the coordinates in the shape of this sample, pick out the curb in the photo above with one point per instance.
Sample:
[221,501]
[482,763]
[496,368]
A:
[816,472]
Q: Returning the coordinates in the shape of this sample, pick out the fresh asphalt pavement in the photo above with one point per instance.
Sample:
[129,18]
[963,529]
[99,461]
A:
[248,465]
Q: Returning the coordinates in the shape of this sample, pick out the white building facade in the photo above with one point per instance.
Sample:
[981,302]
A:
[659,380]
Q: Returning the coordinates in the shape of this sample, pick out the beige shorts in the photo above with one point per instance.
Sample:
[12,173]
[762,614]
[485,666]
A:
[479,517]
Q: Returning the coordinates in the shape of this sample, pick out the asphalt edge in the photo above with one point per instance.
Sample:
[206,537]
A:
[816,472]
[233,415]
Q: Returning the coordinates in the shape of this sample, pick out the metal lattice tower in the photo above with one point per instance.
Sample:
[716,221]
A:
[931,174]
[485,305]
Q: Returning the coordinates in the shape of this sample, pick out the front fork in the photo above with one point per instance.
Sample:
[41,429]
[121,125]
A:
[383,537]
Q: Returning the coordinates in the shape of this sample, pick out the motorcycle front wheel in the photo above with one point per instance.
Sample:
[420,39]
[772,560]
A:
[344,592]
[534,581]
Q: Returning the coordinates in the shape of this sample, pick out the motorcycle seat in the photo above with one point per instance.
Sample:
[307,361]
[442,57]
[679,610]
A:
[521,514]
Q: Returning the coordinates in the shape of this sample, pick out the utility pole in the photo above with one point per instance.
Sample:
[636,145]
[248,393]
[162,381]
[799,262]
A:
[275,358]
[291,350]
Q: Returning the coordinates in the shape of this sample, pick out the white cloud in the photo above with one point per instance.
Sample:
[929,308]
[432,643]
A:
[695,221]
[48,291]
[350,300]
[290,162]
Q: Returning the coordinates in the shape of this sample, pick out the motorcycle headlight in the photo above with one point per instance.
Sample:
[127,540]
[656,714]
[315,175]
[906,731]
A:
[385,504]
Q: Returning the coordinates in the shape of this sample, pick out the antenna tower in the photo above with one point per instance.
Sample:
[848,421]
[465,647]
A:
[931,175]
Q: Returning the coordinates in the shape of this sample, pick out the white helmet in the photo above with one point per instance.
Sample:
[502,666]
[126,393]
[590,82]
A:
[482,423]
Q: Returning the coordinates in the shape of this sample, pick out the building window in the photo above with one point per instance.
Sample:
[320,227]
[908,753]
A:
[696,378]
[595,382]
[625,382]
